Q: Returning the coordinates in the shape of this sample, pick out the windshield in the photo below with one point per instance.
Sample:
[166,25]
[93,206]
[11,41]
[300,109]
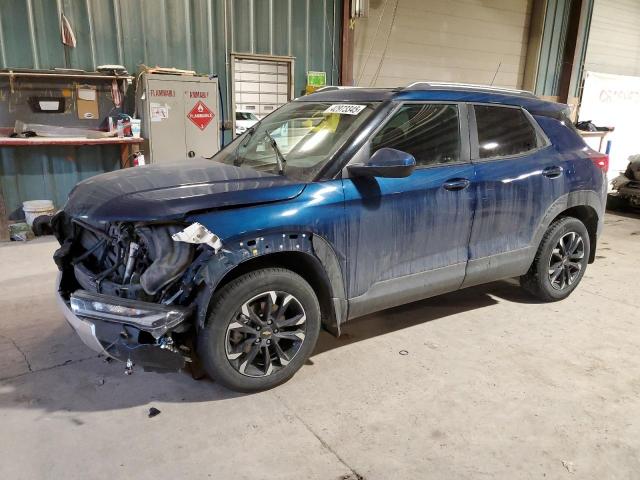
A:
[298,139]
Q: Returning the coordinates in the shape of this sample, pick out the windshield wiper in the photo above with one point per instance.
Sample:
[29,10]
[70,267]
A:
[282,162]
[237,161]
[249,132]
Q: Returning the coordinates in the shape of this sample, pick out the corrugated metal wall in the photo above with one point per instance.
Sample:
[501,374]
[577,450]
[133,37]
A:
[189,34]
[552,48]
[557,37]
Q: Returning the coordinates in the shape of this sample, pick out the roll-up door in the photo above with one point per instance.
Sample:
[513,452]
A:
[466,41]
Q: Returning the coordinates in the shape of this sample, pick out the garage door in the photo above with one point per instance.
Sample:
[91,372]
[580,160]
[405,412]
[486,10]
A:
[468,41]
[260,85]
[614,38]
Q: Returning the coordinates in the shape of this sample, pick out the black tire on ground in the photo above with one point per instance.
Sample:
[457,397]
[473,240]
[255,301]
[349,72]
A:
[42,225]
[226,311]
[538,280]
[616,202]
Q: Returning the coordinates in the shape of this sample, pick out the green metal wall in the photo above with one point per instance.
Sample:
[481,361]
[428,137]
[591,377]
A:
[191,34]
[552,49]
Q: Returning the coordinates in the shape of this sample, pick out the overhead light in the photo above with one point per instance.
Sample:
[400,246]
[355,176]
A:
[490,146]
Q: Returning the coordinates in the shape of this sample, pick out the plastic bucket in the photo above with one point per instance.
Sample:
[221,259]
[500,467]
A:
[34,208]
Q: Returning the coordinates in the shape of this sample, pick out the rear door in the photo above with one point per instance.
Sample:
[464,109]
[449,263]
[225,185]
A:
[518,176]
[408,237]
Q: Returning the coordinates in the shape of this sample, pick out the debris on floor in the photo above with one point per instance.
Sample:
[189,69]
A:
[403,352]
[569,466]
[153,412]
[20,232]
[352,476]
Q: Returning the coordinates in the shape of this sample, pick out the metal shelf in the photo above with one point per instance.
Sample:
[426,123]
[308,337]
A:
[93,76]
[70,141]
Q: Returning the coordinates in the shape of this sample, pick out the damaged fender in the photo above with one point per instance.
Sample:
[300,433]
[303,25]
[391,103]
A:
[233,254]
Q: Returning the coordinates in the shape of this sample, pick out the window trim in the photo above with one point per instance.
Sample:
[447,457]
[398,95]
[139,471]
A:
[541,138]
[463,129]
[352,148]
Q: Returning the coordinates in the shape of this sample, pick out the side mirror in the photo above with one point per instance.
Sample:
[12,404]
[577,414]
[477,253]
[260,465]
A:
[386,162]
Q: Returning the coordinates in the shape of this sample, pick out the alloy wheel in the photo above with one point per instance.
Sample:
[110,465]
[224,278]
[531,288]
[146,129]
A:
[566,259]
[265,334]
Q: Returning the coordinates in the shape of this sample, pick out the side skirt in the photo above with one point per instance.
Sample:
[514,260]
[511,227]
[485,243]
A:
[407,289]
[497,267]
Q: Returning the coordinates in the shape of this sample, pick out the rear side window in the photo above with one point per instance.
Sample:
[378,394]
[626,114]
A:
[429,132]
[503,131]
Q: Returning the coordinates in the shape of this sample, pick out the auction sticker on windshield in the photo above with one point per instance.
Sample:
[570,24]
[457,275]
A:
[345,109]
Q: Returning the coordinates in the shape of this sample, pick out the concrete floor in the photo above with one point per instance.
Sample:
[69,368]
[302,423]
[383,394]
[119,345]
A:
[492,385]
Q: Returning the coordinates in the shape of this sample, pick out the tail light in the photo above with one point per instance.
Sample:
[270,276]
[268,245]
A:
[601,160]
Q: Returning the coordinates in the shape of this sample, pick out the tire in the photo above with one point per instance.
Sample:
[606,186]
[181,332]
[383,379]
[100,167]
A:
[616,202]
[539,280]
[273,310]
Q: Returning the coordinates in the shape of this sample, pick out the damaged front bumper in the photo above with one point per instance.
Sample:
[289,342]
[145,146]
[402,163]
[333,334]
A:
[127,330]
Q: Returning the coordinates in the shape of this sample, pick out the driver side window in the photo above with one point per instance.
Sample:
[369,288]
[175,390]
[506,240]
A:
[430,132]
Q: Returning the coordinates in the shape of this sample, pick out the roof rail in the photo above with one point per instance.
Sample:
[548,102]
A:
[330,88]
[467,86]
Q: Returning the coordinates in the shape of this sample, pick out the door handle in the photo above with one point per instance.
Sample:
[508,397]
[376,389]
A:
[552,172]
[456,184]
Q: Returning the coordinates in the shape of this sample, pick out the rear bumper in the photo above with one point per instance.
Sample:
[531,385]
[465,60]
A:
[120,340]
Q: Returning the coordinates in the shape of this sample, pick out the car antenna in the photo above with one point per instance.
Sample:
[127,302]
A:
[495,74]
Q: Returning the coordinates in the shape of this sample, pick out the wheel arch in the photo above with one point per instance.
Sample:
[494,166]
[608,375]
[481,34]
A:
[589,217]
[310,256]
[585,205]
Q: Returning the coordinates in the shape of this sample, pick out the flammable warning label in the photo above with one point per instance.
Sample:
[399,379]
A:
[200,115]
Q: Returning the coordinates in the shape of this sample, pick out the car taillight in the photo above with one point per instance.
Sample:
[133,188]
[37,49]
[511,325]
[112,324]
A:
[601,161]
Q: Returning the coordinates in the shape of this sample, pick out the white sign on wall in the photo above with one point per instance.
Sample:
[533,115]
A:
[614,101]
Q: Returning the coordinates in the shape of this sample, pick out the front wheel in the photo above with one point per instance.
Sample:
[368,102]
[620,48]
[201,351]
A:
[260,330]
[560,262]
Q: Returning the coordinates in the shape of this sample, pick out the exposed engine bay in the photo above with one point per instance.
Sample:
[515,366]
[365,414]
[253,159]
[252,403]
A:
[137,262]
[134,282]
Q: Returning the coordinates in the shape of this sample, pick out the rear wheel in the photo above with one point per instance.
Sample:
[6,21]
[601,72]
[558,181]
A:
[560,262]
[261,328]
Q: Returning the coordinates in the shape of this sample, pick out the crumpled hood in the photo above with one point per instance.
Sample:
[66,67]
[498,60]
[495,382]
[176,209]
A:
[165,192]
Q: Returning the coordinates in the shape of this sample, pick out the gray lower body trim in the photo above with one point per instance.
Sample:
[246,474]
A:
[411,288]
[328,259]
[407,289]
[572,199]
[517,262]
[497,267]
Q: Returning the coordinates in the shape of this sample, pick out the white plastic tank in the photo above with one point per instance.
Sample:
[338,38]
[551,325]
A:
[34,208]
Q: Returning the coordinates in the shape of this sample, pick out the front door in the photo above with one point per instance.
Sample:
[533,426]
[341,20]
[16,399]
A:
[408,237]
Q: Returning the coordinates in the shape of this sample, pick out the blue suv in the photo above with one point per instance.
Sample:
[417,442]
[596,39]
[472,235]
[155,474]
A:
[337,205]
